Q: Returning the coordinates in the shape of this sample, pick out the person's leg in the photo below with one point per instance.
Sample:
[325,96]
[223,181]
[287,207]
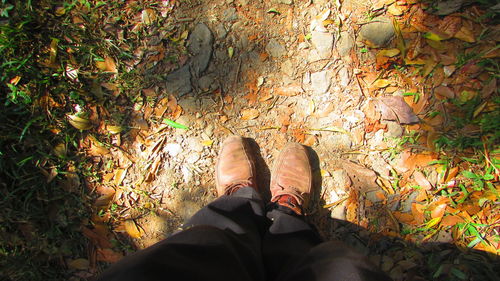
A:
[333,261]
[290,236]
[293,249]
[221,242]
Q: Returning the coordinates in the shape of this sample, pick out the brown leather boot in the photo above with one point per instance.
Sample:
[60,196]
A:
[235,166]
[291,180]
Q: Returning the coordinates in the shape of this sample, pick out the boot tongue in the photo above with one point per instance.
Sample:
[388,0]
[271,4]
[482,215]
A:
[290,202]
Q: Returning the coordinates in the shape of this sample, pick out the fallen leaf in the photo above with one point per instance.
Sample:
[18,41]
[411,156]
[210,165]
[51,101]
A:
[433,36]
[418,213]
[289,91]
[403,217]
[80,264]
[108,65]
[79,122]
[465,34]
[451,220]
[120,175]
[362,178]
[207,142]
[389,53]
[148,16]
[132,229]
[249,114]
[381,83]
[108,255]
[445,92]
[421,180]
[395,108]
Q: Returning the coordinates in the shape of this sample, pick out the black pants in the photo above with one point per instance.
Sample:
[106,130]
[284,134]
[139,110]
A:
[234,238]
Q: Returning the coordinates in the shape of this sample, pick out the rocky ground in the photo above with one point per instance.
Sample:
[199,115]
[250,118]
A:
[278,71]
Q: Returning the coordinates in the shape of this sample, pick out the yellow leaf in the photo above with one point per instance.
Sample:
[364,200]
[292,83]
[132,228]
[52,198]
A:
[53,50]
[79,122]
[415,62]
[389,53]
[108,65]
[433,222]
[60,149]
[132,229]
[432,36]
[382,83]
[114,129]
[148,16]
[80,264]
[207,142]
[249,114]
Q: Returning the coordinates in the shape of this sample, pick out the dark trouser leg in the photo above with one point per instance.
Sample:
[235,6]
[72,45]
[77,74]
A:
[288,239]
[221,242]
[333,261]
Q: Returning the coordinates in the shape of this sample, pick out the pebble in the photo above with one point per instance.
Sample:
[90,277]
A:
[179,81]
[320,82]
[200,45]
[220,31]
[173,149]
[286,2]
[323,43]
[194,144]
[230,14]
[394,130]
[275,49]
[344,77]
[345,43]
[287,68]
[379,31]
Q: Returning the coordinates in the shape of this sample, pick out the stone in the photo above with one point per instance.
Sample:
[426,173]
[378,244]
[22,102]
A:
[286,2]
[200,46]
[230,14]
[341,180]
[173,149]
[345,43]
[323,42]
[379,31]
[193,158]
[220,31]
[179,81]
[275,49]
[394,130]
[287,68]
[194,144]
[406,204]
[320,82]
[205,82]
[209,130]
[344,77]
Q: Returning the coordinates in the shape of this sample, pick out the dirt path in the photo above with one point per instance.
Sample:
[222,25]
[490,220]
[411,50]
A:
[278,71]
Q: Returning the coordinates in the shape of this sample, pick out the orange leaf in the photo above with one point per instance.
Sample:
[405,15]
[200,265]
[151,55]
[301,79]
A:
[403,217]
[418,213]
[421,180]
[451,220]
[249,114]
[289,91]
[108,255]
[132,229]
